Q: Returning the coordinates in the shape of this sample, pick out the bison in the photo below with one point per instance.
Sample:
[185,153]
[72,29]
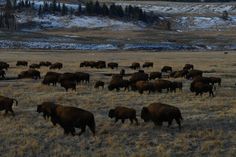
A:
[163,84]
[154,75]
[56,66]
[99,84]
[118,83]
[4,65]
[188,67]
[176,85]
[6,104]
[148,64]
[51,78]
[200,88]
[70,118]
[22,63]
[82,77]
[67,84]
[34,66]
[215,80]
[138,76]
[31,73]
[112,65]
[194,73]
[123,113]
[166,69]
[159,113]
[46,64]
[135,66]
[142,86]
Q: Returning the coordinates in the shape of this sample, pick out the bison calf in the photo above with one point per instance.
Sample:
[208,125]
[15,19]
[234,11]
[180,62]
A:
[6,104]
[123,113]
[99,84]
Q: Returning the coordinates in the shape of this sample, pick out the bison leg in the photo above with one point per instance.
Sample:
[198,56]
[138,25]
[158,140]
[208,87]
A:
[72,131]
[136,120]
[45,116]
[211,93]
[169,123]
[116,120]
[131,120]
[178,122]
[82,130]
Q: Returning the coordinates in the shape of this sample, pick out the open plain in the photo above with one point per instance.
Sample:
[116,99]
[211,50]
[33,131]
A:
[209,125]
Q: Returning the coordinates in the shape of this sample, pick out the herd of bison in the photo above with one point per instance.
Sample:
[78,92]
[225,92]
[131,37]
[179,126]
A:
[70,118]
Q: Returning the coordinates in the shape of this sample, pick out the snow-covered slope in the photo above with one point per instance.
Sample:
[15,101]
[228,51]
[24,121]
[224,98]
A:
[191,16]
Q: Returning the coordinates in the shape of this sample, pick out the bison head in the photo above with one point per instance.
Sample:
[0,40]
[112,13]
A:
[145,115]
[110,87]
[39,108]
[111,113]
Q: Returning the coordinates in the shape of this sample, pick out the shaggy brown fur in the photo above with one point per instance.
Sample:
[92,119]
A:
[123,113]
[70,118]
[6,104]
[159,113]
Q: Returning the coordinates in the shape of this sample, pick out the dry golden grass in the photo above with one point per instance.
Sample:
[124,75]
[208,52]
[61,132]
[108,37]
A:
[209,126]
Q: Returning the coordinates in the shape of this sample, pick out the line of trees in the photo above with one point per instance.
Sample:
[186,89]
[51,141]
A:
[7,17]
[91,9]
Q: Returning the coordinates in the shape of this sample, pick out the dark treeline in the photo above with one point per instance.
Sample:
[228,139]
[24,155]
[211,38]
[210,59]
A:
[7,17]
[92,9]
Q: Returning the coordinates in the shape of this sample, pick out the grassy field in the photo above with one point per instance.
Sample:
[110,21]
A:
[209,126]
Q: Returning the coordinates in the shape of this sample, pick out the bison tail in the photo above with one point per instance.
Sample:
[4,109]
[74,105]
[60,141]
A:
[15,101]
[92,125]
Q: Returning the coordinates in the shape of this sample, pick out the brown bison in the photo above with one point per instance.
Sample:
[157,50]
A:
[154,75]
[6,104]
[99,84]
[176,85]
[148,64]
[123,113]
[112,65]
[200,88]
[67,77]
[118,83]
[2,73]
[56,66]
[135,66]
[67,84]
[46,64]
[166,69]
[70,118]
[188,67]
[31,73]
[22,63]
[34,66]
[178,74]
[215,80]
[51,78]
[100,64]
[159,113]
[82,77]
[138,76]
[163,84]
[194,73]
[4,65]
[142,86]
